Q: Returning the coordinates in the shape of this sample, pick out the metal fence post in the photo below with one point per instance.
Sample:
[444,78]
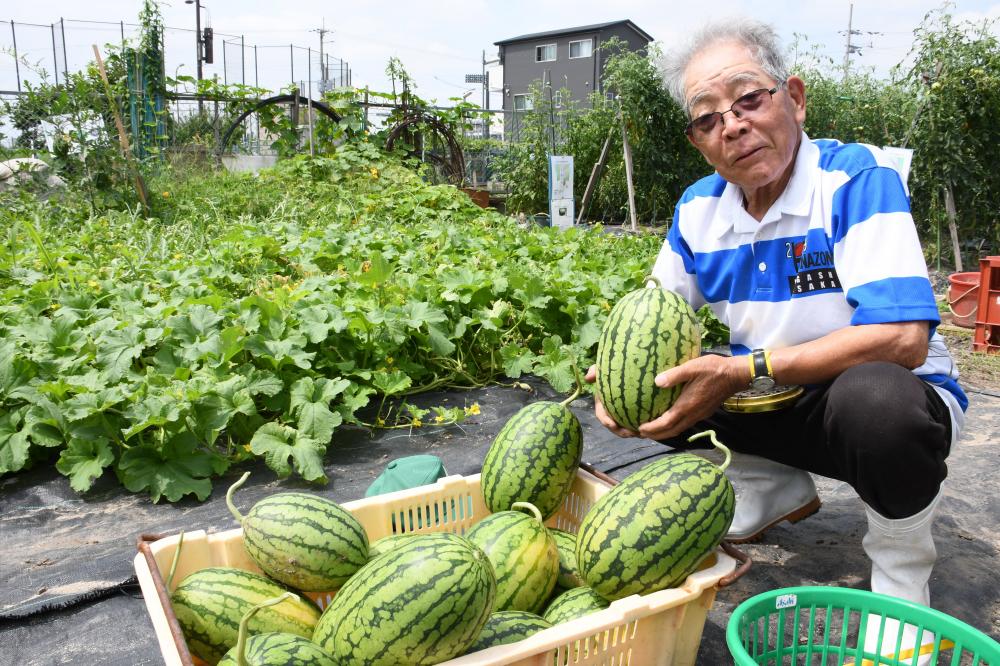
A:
[17,66]
[55,58]
[62,29]
[291,55]
[225,75]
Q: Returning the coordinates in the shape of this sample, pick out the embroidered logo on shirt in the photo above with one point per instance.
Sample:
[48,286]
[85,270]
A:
[814,271]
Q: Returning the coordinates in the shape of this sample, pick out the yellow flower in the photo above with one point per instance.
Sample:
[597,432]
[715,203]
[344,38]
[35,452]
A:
[380,421]
[166,195]
[439,418]
[178,255]
[93,284]
[365,267]
[472,410]
[54,306]
[389,360]
[417,423]
[374,172]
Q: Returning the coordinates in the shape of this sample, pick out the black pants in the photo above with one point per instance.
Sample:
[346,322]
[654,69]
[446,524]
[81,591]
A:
[876,426]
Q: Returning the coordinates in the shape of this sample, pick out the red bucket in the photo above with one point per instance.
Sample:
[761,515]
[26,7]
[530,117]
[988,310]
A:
[962,297]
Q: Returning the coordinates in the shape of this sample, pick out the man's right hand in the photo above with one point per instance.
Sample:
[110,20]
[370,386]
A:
[602,414]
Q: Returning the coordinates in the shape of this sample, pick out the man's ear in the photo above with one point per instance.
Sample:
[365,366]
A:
[797,94]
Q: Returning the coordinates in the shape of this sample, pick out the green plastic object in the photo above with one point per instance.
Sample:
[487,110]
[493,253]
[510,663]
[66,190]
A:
[405,473]
[806,625]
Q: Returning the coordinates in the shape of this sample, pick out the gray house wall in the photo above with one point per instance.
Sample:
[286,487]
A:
[581,76]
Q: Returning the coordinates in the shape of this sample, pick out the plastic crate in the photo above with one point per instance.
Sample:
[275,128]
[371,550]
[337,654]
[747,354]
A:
[659,629]
[822,625]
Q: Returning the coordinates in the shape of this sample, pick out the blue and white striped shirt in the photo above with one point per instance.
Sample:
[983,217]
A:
[838,248]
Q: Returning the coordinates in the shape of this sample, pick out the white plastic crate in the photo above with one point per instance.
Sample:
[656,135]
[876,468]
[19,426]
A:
[659,629]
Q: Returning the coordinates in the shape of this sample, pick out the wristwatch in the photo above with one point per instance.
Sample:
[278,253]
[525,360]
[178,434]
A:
[761,374]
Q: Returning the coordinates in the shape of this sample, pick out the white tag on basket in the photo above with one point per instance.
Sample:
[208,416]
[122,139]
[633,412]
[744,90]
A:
[785,601]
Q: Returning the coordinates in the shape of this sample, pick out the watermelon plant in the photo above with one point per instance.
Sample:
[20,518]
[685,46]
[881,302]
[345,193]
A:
[303,540]
[534,458]
[649,330]
[210,604]
[274,648]
[656,527]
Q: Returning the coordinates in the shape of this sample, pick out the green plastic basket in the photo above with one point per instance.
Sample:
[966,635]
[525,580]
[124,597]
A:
[821,625]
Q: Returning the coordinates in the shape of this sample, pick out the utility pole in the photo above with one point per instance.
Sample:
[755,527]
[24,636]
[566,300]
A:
[322,62]
[850,49]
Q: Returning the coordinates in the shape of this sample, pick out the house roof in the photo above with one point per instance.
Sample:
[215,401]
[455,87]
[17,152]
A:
[569,31]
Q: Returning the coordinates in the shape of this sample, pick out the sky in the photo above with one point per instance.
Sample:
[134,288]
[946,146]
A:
[438,41]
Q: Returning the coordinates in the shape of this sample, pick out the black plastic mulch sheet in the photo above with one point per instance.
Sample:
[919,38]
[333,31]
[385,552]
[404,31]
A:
[66,561]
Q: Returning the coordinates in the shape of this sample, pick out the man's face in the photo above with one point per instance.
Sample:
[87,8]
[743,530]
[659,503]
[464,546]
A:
[749,153]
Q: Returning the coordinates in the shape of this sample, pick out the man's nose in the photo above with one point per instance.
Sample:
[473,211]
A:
[733,125]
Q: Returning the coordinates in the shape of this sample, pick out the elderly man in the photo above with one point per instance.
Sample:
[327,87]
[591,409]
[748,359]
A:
[807,251]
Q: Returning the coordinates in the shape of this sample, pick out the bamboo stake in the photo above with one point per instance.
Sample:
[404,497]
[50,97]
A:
[949,206]
[140,185]
[628,177]
[595,176]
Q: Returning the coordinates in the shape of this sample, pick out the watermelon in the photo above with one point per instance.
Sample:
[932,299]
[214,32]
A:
[569,575]
[504,627]
[385,544]
[533,458]
[574,603]
[524,556]
[655,527]
[305,541]
[648,331]
[273,648]
[210,603]
[423,602]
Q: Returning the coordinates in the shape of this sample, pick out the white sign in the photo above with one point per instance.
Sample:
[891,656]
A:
[901,159]
[561,190]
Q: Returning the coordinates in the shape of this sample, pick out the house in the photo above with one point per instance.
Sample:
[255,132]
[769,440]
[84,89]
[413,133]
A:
[569,58]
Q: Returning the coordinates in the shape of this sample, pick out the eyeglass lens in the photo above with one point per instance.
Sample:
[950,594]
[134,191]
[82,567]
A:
[743,106]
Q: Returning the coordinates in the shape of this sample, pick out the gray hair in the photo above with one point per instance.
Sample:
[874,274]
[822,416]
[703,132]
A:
[759,38]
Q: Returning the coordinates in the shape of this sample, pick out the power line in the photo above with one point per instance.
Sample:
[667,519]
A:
[850,48]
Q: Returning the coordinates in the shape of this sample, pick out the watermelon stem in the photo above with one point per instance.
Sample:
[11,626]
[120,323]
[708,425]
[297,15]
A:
[717,444]
[579,385]
[532,507]
[173,562]
[653,279]
[229,497]
[241,640]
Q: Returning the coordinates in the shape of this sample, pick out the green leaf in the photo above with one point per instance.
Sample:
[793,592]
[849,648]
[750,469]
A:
[280,443]
[310,405]
[391,383]
[279,353]
[439,341]
[417,314]
[379,270]
[84,460]
[517,361]
[117,349]
[173,471]
[317,321]
[14,444]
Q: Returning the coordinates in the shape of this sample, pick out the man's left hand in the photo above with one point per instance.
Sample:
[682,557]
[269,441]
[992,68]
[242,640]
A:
[708,380]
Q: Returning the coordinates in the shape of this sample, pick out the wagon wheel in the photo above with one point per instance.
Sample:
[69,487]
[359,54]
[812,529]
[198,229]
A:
[431,141]
[245,134]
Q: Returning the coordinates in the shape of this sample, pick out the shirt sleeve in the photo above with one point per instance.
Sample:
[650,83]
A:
[674,266]
[877,252]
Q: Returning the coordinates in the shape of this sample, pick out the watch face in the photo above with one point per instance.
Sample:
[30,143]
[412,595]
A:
[762,383]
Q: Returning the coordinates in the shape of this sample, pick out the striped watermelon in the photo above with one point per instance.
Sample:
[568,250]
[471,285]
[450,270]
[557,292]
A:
[648,331]
[506,627]
[274,648]
[655,527]
[385,544]
[423,602]
[574,603]
[533,458]
[302,540]
[524,557]
[569,574]
[210,603]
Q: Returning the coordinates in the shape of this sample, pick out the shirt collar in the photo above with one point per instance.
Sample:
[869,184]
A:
[796,199]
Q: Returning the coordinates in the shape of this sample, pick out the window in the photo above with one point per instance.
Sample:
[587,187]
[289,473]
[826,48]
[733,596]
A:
[523,103]
[581,49]
[545,53]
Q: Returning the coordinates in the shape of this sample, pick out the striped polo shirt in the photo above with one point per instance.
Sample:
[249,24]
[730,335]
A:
[838,248]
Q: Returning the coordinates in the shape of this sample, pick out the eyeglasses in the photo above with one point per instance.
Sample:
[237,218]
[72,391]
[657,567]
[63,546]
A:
[747,107]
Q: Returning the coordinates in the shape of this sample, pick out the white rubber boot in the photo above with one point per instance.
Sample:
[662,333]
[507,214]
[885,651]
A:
[767,493]
[902,554]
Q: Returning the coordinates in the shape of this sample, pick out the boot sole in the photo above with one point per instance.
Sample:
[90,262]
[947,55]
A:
[795,516]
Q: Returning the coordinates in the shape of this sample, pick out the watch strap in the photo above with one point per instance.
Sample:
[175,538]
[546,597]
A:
[760,364]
